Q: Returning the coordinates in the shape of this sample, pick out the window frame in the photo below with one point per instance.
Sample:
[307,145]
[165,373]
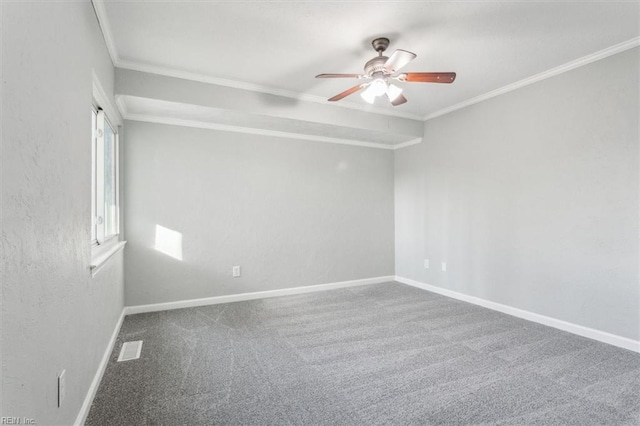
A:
[103,250]
[98,221]
[94,123]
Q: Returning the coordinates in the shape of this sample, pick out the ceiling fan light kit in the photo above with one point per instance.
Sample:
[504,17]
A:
[368,96]
[379,87]
[393,92]
[381,69]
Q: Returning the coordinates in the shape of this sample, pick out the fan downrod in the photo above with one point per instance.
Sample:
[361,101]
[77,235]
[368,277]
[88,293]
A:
[380,44]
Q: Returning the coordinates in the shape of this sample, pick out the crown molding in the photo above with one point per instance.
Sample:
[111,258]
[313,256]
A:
[261,132]
[105,27]
[596,56]
[204,78]
[408,143]
[122,106]
[103,100]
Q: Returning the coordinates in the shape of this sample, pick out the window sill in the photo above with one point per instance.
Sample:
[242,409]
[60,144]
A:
[100,255]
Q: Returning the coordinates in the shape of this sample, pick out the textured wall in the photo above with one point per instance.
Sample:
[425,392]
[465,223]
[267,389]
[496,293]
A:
[532,198]
[54,315]
[290,213]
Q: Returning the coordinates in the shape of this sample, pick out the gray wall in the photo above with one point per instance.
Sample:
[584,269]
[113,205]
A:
[54,315]
[290,213]
[532,198]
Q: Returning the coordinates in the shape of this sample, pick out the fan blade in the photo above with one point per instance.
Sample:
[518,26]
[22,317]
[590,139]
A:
[340,76]
[347,92]
[428,77]
[398,59]
[399,100]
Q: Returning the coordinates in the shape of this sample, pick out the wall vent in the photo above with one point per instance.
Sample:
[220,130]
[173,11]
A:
[130,350]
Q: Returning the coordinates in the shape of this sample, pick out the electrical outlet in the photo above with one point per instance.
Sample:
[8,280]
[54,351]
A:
[426,264]
[444,266]
[236,271]
[62,387]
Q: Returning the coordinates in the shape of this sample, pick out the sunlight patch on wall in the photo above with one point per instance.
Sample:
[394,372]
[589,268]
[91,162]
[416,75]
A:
[169,242]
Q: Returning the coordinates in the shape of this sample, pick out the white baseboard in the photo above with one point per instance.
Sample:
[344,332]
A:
[129,310]
[88,400]
[601,336]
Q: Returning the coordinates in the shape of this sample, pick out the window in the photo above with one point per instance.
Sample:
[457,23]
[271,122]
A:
[104,179]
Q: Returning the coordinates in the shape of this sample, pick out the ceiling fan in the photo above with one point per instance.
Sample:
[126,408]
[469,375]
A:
[381,70]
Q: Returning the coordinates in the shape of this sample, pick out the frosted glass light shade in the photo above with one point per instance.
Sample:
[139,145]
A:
[376,88]
[393,92]
[368,96]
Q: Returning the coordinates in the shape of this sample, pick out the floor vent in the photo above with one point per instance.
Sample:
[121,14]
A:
[130,350]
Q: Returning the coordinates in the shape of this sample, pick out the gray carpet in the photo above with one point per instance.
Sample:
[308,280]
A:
[372,355]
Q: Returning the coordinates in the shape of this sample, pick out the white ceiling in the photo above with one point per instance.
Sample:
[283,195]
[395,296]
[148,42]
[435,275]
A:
[284,44]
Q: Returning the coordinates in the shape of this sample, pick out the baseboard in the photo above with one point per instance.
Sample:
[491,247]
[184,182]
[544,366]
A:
[88,400]
[601,336]
[129,310]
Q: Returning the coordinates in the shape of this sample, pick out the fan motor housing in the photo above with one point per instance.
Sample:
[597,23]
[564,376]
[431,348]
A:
[375,65]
